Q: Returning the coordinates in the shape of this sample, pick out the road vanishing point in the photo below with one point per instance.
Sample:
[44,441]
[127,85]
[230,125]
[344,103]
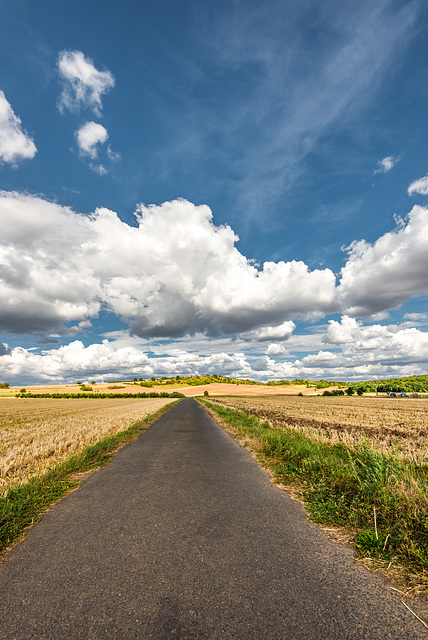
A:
[183,536]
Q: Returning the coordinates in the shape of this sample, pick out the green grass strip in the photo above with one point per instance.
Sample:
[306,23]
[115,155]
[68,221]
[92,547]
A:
[24,504]
[384,498]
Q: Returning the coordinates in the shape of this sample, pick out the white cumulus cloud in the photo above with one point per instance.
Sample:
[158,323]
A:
[105,360]
[385,274]
[387,350]
[280,332]
[15,143]
[374,351]
[174,273]
[83,84]
[419,186]
[89,136]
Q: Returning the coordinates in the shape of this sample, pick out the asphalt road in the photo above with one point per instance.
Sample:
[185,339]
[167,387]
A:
[182,536]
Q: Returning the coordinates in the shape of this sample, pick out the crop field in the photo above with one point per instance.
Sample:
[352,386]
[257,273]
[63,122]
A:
[359,465]
[389,424]
[36,434]
[214,388]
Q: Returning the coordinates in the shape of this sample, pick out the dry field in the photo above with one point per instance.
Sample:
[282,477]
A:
[223,388]
[215,388]
[36,433]
[103,387]
[398,423]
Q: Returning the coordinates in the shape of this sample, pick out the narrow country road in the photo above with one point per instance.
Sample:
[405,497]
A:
[182,536]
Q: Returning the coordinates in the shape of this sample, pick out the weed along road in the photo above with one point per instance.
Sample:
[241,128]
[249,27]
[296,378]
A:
[182,536]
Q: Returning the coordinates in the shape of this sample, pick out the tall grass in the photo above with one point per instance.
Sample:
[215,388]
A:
[382,496]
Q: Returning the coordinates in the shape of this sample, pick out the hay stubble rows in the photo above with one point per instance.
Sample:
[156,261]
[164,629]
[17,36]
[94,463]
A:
[36,434]
[389,424]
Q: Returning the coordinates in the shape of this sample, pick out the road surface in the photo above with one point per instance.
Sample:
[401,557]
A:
[182,536]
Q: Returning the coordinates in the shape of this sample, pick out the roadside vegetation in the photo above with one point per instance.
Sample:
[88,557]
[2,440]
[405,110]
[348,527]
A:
[367,476]
[44,446]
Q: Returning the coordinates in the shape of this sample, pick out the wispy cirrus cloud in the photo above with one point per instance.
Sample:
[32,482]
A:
[83,84]
[15,143]
[386,164]
[285,104]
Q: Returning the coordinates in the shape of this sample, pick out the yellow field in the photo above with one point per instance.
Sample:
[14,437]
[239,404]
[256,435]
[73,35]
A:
[398,423]
[37,433]
[214,388]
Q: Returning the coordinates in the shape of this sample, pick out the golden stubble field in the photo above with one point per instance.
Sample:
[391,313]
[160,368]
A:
[36,433]
[389,424]
[214,388]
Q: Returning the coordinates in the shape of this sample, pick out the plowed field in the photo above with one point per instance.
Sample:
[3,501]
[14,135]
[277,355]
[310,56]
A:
[399,424]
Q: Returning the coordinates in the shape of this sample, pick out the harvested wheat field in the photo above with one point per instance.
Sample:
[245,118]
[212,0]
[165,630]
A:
[224,388]
[214,388]
[36,433]
[399,424]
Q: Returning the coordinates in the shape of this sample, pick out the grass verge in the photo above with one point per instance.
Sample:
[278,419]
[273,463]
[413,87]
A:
[24,503]
[382,497]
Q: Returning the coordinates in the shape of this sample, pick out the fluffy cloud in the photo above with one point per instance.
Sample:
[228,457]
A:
[339,333]
[280,332]
[89,136]
[175,273]
[276,349]
[105,360]
[360,352]
[43,281]
[386,164]
[419,186]
[385,274]
[84,85]
[381,349]
[15,144]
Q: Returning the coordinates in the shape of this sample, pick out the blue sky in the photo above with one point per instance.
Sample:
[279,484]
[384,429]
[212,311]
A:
[229,187]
